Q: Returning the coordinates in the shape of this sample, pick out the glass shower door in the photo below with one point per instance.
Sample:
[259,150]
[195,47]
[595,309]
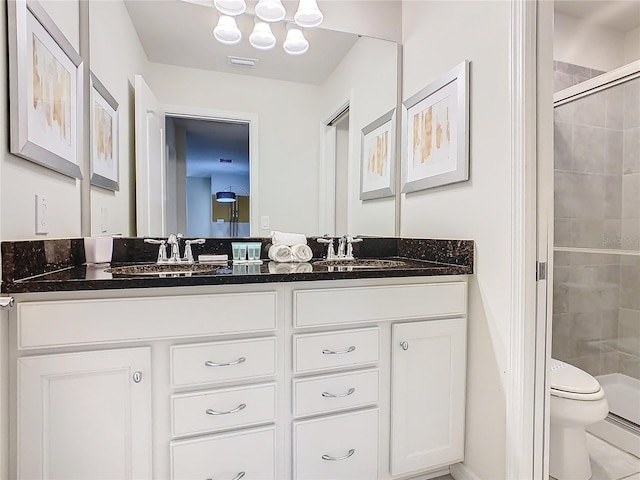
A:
[596,321]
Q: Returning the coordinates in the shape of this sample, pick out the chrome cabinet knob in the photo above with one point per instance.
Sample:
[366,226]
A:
[137,377]
[404,345]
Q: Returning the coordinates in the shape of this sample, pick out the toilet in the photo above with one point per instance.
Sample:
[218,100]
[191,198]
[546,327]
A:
[577,400]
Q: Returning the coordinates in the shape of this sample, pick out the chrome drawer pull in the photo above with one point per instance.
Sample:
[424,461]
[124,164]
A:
[237,477]
[6,302]
[332,352]
[338,395]
[209,363]
[242,406]
[336,459]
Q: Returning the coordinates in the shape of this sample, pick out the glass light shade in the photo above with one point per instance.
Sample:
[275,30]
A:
[262,37]
[230,7]
[295,43]
[225,197]
[227,31]
[308,14]
[270,10]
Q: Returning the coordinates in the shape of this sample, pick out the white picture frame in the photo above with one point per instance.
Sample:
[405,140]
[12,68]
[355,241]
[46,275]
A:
[104,137]
[377,157]
[435,132]
[45,90]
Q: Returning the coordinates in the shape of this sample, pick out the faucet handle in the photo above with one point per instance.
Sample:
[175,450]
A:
[329,241]
[355,239]
[188,253]
[162,250]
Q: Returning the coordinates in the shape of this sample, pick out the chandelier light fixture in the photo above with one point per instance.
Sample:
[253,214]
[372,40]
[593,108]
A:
[295,43]
[230,7]
[227,30]
[267,12]
[262,37]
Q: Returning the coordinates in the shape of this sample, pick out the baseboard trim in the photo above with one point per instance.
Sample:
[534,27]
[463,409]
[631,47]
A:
[460,471]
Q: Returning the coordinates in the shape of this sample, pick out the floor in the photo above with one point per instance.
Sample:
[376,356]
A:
[607,462]
[610,463]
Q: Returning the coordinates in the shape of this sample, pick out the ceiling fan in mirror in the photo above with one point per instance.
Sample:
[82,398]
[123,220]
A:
[267,12]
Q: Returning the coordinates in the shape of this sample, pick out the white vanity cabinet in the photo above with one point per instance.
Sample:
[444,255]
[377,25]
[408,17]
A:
[406,340]
[275,381]
[85,415]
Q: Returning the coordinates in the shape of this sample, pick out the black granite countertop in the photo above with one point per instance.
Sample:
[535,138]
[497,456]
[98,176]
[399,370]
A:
[59,265]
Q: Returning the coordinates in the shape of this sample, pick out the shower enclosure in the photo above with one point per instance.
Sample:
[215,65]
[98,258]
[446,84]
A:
[596,288]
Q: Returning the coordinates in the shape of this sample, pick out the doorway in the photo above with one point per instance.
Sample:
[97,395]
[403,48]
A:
[334,176]
[205,157]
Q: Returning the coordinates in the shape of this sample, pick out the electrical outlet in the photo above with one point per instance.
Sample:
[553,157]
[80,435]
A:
[264,222]
[42,215]
[104,225]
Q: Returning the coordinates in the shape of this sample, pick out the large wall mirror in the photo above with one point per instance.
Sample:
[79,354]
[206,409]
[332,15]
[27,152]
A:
[285,132]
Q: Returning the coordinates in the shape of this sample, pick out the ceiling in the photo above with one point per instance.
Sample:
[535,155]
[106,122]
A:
[181,33]
[620,15]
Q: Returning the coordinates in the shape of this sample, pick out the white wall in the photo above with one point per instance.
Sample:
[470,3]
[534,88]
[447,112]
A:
[289,149]
[581,43]
[632,46]
[437,35]
[377,18]
[116,57]
[21,180]
[367,79]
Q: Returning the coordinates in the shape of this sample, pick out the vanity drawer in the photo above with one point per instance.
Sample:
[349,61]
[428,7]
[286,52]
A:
[226,456]
[320,351]
[78,322]
[340,447]
[330,393]
[204,363]
[211,411]
[332,306]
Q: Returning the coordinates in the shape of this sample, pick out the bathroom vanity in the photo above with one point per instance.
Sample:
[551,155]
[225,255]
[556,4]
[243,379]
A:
[344,375]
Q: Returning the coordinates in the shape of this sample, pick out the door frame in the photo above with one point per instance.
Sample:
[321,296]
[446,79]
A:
[527,415]
[197,113]
[327,187]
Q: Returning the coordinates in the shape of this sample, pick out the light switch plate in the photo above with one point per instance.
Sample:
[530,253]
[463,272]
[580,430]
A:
[42,215]
[264,222]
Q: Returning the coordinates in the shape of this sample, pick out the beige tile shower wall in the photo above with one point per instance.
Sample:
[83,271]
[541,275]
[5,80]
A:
[596,323]
[585,312]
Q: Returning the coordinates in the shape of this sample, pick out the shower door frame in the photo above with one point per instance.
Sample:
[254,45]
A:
[592,86]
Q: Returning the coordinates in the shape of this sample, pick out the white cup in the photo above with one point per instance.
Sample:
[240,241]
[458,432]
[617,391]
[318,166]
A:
[98,249]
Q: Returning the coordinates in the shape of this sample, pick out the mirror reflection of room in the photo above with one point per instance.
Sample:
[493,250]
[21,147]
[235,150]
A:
[206,158]
[290,99]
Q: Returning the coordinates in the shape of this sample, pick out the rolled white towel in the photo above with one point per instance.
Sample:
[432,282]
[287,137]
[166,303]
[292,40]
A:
[280,253]
[284,238]
[301,253]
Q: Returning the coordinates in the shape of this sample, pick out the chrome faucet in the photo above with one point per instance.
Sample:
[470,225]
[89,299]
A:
[174,241]
[345,247]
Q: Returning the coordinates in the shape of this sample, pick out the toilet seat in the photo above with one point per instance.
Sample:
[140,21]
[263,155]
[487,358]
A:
[570,382]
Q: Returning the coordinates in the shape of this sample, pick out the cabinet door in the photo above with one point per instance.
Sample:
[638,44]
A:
[428,394]
[85,415]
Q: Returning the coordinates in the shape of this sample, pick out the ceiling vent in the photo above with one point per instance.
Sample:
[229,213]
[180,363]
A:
[242,61]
